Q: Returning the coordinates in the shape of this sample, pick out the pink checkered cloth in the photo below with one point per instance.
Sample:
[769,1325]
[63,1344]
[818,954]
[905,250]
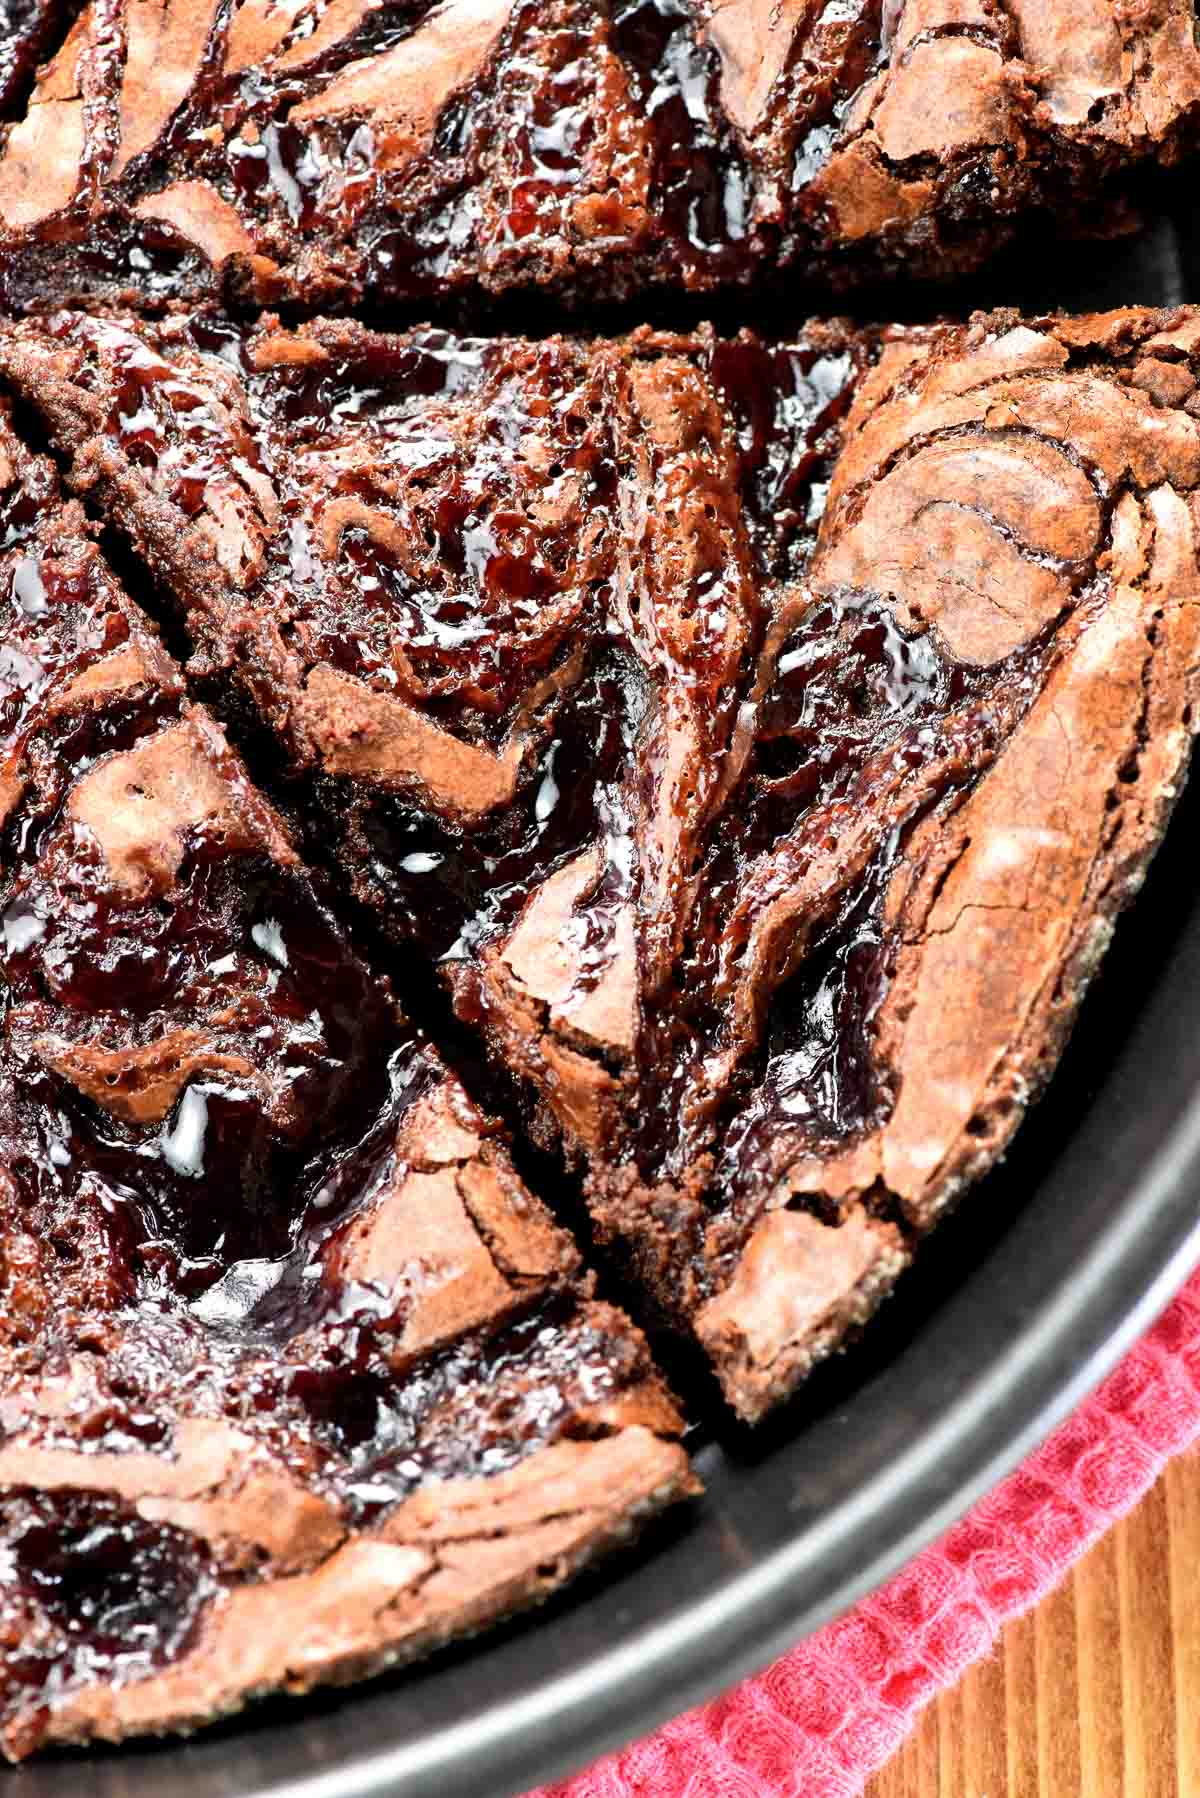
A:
[821,1720]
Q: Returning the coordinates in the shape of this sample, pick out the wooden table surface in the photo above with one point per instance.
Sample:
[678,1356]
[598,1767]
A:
[1096,1693]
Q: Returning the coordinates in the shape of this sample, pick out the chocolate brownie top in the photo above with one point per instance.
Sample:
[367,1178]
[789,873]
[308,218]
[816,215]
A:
[760,737]
[296,1377]
[326,151]
[757,738]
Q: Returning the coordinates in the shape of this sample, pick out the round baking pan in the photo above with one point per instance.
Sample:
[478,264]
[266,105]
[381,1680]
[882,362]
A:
[1018,1305]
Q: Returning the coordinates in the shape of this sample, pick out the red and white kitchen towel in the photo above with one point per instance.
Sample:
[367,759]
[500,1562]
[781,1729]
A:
[822,1719]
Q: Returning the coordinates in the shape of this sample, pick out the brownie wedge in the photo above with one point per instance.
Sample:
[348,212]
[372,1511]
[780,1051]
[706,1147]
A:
[342,152]
[759,738]
[297,1379]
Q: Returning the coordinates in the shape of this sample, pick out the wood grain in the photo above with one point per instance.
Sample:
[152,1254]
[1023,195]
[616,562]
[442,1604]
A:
[1095,1694]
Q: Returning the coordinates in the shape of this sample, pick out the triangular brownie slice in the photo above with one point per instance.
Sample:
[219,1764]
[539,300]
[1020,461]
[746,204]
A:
[296,1378]
[760,737]
[334,151]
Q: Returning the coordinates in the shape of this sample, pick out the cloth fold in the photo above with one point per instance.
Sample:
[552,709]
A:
[822,1719]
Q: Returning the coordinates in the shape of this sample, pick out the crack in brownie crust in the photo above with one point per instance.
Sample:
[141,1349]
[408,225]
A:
[326,151]
[760,737]
[297,1379]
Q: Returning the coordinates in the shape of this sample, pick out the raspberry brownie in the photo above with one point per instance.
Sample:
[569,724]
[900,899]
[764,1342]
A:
[339,151]
[296,1378]
[760,737]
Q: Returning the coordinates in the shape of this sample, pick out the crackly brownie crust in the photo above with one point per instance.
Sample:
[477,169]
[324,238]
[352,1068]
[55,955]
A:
[334,151]
[761,738]
[297,1379]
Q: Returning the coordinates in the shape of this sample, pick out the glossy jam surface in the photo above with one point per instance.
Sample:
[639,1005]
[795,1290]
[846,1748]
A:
[575,144]
[848,684]
[245,965]
[234,962]
[701,187]
[473,1410]
[849,722]
[205,1089]
[454,890]
[786,404]
[56,625]
[849,45]
[848,709]
[101,1593]
[553,99]
[548,550]
[92,1592]
[542,647]
[448,531]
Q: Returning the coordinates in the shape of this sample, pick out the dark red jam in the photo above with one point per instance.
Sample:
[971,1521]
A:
[109,1595]
[204,1089]
[702,188]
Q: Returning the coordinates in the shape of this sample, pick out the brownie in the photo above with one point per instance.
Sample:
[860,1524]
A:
[297,1379]
[760,738]
[335,152]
